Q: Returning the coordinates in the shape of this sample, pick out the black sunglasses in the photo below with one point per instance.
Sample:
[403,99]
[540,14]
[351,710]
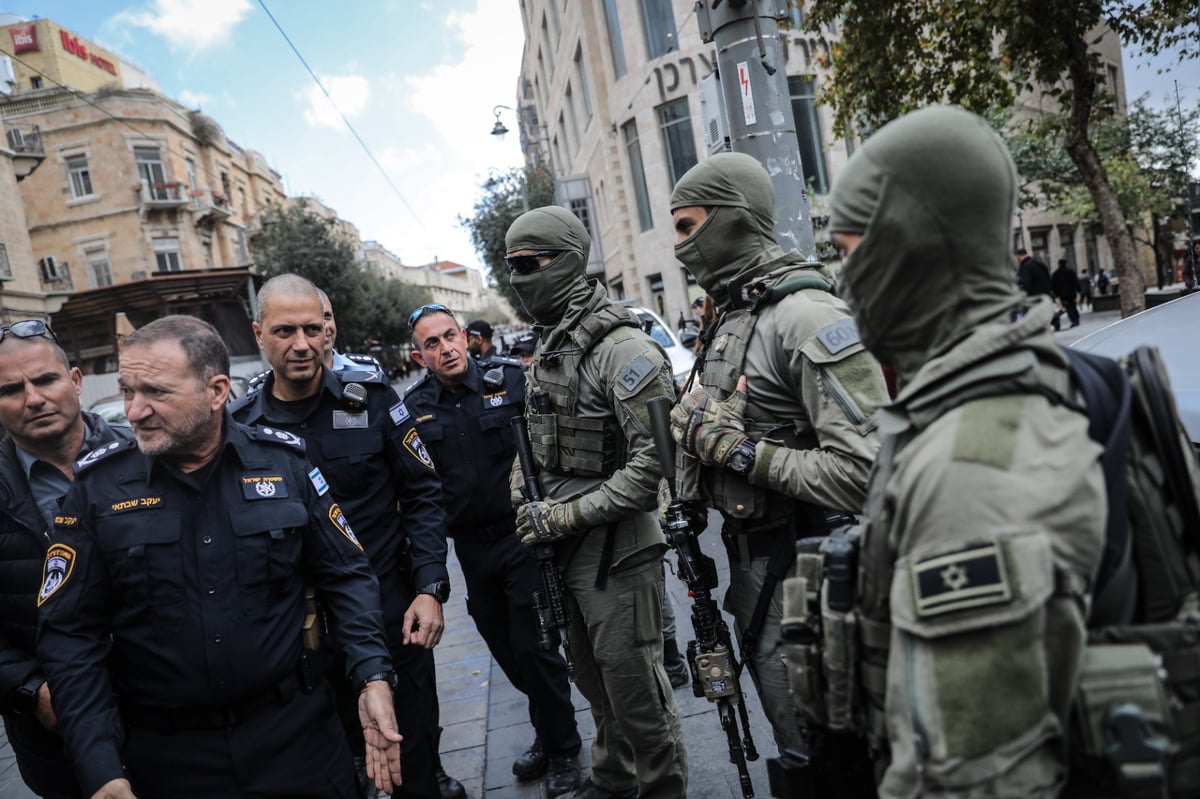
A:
[30,328]
[524,264]
[424,311]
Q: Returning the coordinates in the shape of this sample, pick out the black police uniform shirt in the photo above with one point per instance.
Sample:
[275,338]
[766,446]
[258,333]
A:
[469,435]
[374,460]
[199,580]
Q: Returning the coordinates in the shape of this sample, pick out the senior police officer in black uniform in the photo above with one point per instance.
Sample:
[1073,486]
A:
[363,439]
[173,598]
[462,408]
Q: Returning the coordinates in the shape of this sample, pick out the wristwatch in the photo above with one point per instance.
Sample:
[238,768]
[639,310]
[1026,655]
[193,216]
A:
[438,589]
[388,676]
[741,458]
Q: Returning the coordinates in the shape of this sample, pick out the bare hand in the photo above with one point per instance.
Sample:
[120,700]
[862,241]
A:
[44,710]
[378,719]
[423,623]
[115,789]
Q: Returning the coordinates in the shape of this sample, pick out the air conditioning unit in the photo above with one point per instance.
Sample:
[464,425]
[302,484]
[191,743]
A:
[712,113]
[49,267]
[16,139]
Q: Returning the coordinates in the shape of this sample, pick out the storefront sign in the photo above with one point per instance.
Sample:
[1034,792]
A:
[76,48]
[24,39]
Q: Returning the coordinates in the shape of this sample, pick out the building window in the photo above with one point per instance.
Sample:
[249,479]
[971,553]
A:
[567,144]
[542,70]
[573,115]
[152,172]
[679,142]
[557,17]
[615,43]
[1039,244]
[658,22]
[35,82]
[546,43]
[638,174]
[79,176]
[166,253]
[99,272]
[584,92]
[5,266]
[193,184]
[808,133]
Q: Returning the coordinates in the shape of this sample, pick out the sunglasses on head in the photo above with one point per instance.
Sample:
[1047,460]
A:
[424,311]
[524,264]
[30,328]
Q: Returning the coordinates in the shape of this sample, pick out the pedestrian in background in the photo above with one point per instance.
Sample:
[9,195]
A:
[1191,268]
[1033,276]
[1085,287]
[1066,288]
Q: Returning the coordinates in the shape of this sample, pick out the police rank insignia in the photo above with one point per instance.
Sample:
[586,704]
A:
[318,481]
[496,400]
[961,580]
[264,486]
[416,448]
[60,562]
[343,526]
[283,435]
[399,413]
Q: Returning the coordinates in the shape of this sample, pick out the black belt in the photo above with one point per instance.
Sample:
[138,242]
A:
[175,719]
[484,532]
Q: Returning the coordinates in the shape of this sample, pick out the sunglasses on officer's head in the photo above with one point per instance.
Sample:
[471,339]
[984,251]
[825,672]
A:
[524,264]
[424,311]
[30,328]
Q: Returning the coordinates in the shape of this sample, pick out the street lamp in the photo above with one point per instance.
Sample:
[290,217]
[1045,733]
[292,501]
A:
[526,120]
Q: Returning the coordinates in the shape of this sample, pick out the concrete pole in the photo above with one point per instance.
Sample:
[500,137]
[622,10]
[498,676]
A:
[754,86]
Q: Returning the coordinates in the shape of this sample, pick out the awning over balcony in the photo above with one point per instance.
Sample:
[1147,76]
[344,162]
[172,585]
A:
[86,324]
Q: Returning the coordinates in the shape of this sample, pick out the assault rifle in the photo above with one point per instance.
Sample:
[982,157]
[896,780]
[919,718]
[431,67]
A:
[715,669]
[549,604]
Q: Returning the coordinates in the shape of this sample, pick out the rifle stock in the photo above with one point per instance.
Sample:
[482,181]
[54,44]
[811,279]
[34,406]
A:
[714,666]
[549,604]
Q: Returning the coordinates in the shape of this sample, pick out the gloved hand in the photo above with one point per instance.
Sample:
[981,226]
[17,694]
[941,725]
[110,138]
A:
[697,514]
[516,485]
[709,428]
[546,522]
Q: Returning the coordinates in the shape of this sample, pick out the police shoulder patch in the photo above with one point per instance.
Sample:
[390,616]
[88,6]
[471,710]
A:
[339,521]
[416,448]
[838,336]
[399,413]
[636,374]
[102,452]
[970,578]
[274,435]
[60,564]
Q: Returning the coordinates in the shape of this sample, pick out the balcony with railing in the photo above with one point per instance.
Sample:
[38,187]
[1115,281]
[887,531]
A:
[210,206]
[26,146]
[155,196]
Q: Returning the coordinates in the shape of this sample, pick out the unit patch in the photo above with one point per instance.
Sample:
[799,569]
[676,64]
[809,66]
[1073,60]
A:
[343,526]
[496,400]
[838,336]
[967,579]
[632,377]
[318,481]
[416,448]
[60,563]
[264,486]
[136,503]
[349,420]
[399,413]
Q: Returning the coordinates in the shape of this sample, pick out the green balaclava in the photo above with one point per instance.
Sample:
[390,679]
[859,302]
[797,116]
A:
[547,292]
[932,194]
[739,234]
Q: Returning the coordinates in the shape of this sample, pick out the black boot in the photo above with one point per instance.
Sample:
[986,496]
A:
[449,787]
[676,665]
[563,776]
[532,763]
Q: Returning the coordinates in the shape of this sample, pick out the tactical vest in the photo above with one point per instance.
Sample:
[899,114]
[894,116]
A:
[563,442]
[732,494]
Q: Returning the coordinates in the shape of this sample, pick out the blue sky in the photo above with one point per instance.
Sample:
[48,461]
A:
[417,78]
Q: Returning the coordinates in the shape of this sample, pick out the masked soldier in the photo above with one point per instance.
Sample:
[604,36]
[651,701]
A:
[593,372]
[781,434]
[986,511]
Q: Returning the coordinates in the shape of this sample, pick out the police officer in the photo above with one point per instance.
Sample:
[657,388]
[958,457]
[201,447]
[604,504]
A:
[363,439]
[47,433]
[593,372]
[479,339]
[781,428]
[173,598]
[987,507]
[463,407]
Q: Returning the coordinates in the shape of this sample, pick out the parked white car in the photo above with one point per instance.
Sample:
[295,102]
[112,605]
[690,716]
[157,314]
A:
[681,356]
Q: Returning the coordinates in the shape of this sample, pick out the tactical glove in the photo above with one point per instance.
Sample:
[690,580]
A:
[547,522]
[707,428]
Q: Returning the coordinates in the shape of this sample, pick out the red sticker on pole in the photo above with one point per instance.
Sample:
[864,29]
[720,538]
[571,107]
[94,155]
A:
[747,93]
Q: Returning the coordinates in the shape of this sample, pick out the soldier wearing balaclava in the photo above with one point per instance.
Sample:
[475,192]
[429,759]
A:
[781,431]
[986,512]
[592,374]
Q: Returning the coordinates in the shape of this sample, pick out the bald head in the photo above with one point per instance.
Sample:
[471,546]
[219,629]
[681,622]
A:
[291,286]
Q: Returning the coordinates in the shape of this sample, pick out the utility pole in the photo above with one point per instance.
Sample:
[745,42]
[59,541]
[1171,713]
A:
[758,105]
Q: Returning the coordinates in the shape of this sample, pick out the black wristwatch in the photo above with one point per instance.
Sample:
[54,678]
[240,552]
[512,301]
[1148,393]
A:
[24,699]
[438,589]
[388,676]
[741,458]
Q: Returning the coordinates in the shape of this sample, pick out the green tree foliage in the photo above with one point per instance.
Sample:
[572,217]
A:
[898,55]
[504,199]
[368,307]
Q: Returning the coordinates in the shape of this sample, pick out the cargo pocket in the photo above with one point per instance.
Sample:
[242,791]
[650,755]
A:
[543,439]
[268,553]
[146,564]
[347,460]
[967,675]
[497,433]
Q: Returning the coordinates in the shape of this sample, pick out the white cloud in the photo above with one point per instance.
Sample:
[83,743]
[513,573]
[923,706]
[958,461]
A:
[192,25]
[194,99]
[349,92]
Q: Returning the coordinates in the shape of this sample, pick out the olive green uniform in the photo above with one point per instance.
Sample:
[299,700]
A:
[987,507]
[596,370]
[811,391]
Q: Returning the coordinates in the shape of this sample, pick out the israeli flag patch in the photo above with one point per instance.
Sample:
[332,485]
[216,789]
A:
[399,413]
[318,481]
